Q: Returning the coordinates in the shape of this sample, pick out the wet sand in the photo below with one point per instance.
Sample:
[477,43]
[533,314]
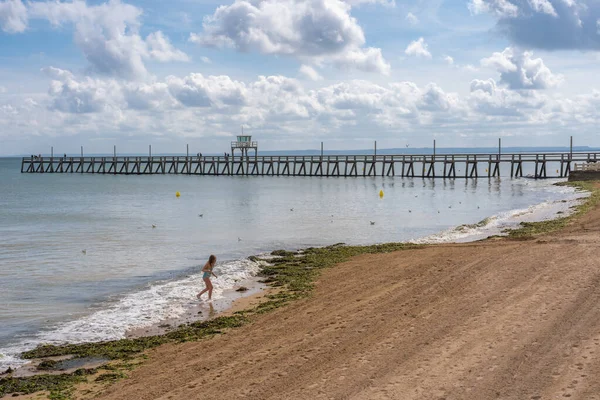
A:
[495,319]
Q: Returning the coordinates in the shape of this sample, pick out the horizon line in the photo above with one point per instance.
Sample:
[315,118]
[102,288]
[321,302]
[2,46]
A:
[404,149]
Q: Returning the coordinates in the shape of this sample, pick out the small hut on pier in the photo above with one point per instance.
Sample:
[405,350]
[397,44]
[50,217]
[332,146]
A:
[244,143]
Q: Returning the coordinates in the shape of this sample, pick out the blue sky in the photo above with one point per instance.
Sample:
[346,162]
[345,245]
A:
[295,73]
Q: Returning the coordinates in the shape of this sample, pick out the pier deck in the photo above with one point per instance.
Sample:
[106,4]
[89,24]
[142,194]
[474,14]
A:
[541,165]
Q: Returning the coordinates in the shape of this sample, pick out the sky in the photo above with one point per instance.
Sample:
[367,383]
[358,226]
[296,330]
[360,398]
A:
[295,73]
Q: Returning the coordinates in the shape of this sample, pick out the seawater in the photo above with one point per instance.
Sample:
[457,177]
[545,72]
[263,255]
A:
[80,259]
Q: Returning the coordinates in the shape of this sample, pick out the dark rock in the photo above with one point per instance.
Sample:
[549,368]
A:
[241,289]
[47,365]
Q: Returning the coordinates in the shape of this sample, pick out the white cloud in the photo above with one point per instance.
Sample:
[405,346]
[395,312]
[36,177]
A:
[411,19]
[487,86]
[543,6]
[470,68]
[205,60]
[489,100]
[161,49]
[367,60]
[545,24]
[518,70]
[418,48]
[13,16]
[196,90]
[449,60]
[81,96]
[3,89]
[388,3]
[283,27]
[309,72]
[154,96]
[107,34]
[58,74]
[502,8]
[309,30]
[277,106]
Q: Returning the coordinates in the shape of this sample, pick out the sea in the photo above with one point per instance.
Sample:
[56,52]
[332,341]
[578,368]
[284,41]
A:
[91,257]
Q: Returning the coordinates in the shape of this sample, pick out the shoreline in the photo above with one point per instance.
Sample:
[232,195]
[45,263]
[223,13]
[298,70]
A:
[510,319]
[204,309]
[221,305]
[234,301]
[242,301]
[70,331]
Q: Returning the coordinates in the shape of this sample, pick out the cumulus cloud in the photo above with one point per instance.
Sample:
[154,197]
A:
[80,96]
[411,19]
[196,90]
[488,86]
[142,96]
[487,99]
[13,16]
[501,8]
[313,30]
[449,60]
[266,100]
[388,3]
[367,60]
[545,24]
[58,74]
[518,70]
[107,34]
[161,49]
[278,106]
[309,72]
[205,60]
[418,48]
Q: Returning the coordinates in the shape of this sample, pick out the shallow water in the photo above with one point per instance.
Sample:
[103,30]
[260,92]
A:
[132,274]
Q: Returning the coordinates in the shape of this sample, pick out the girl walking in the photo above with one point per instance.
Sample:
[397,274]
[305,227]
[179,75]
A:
[207,271]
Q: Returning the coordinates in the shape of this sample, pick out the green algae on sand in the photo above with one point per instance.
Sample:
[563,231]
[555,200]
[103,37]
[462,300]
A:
[529,230]
[293,273]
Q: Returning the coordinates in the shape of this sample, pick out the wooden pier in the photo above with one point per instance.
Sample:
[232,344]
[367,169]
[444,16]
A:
[541,165]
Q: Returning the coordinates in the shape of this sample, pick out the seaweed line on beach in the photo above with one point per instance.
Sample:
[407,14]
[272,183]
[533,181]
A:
[292,273]
[529,230]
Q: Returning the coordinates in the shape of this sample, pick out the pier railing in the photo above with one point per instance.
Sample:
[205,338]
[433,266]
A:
[238,145]
[535,165]
[593,166]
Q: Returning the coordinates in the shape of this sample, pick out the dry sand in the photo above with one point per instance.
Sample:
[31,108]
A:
[497,319]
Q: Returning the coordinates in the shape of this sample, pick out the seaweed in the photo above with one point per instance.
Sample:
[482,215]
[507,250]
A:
[56,384]
[530,230]
[126,348]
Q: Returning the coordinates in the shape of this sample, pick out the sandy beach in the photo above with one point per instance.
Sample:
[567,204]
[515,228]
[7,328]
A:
[509,319]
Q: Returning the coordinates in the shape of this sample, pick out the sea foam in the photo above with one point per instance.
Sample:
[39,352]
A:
[149,306]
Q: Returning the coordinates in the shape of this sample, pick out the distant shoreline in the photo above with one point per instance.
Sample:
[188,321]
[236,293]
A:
[386,151]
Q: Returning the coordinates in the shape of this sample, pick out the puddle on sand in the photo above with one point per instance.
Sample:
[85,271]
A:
[59,365]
